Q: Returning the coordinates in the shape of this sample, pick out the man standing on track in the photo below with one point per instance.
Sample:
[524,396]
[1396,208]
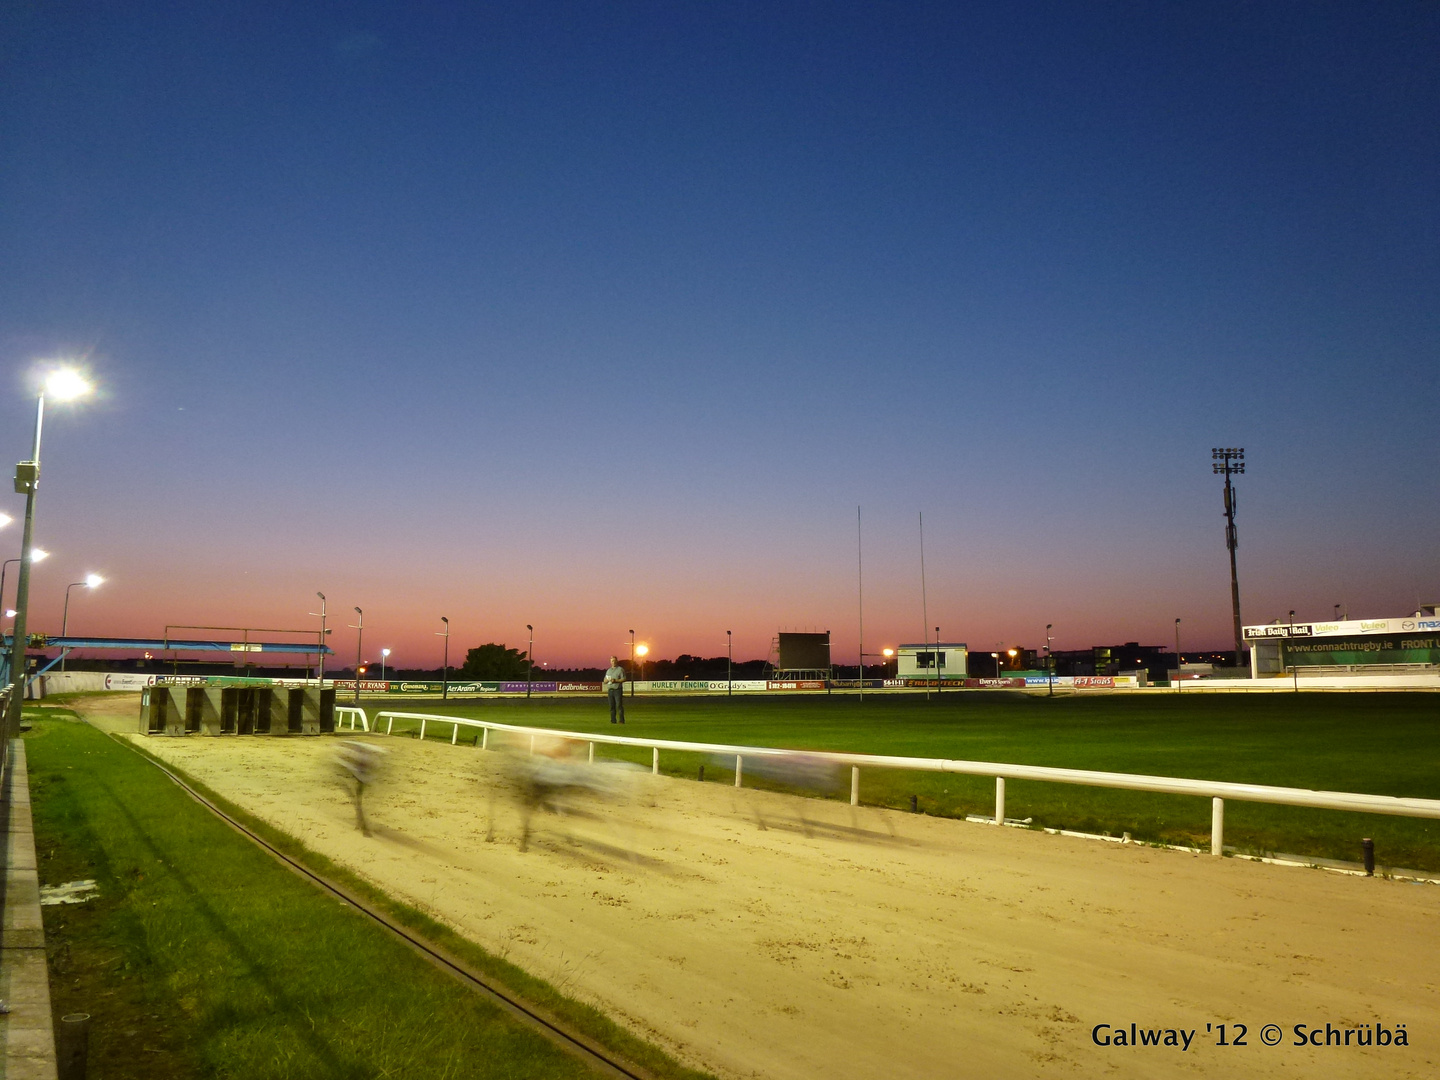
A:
[615,687]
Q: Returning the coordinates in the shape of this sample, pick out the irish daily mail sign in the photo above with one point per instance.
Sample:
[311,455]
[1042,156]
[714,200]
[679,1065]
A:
[1349,628]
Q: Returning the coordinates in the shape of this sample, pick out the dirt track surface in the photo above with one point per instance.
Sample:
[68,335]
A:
[945,949]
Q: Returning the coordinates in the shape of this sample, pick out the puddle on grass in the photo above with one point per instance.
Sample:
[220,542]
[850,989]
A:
[72,892]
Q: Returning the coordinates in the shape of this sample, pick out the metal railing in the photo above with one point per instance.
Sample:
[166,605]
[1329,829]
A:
[1216,790]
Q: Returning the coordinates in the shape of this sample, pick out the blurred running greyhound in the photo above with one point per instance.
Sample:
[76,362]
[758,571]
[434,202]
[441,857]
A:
[361,760]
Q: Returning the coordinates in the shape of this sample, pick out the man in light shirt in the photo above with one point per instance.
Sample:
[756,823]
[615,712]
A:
[615,687]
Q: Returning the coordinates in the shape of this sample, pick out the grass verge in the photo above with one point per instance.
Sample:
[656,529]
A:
[203,956]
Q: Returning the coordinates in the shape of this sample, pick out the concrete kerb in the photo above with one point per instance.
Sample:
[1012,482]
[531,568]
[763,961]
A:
[27,1031]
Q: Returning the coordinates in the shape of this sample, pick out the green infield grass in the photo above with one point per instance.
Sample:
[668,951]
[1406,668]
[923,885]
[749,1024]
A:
[1384,744]
[202,956]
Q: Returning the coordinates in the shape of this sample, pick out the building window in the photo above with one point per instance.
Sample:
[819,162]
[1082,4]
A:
[927,660]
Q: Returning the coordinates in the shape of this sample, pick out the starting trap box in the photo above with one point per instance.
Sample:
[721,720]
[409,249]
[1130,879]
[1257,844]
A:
[237,710]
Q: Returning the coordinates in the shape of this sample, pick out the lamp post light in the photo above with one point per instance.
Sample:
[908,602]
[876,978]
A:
[384,655]
[91,581]
[36,555]
[1050,657]
[641,651]
[359,629]
[730,665]
[63,384]
[321,653]
[529,661]
[996,655]
[445,664]
[1012,654]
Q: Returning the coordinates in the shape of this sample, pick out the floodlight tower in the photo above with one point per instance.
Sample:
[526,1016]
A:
[1227,462]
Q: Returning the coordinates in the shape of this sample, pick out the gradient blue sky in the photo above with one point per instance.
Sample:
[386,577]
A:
[601,316]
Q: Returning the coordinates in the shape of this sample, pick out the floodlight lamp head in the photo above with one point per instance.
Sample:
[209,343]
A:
[38,555]
[5,519]
[642,650]
[320,594]
[66,384]
[359,612]
[384,652]
[93,580]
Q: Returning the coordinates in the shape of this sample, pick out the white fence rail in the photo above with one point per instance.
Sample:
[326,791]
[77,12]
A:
[1216,790]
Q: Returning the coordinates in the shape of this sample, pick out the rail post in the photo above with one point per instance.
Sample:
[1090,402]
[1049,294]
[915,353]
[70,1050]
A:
[1217,827]
[422,730]
[592,753]
[999,800]
[389,725]
[654,761]
[485,738]
[532,745]
[854,785]
[739,769]
[454,735]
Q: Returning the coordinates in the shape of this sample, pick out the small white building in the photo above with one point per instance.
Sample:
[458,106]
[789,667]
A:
[947,660]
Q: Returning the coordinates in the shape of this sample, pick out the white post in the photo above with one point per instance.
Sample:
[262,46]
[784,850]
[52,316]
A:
[592,753]
[532,745]
[1217,827]
[654,761]
[422,730]
[855,785]
[999,800]
[455,735]
[739,769]
[485,738]
[389,723]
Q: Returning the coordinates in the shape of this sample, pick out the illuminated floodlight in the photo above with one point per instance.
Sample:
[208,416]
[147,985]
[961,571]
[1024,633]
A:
[66,384]
[38,555]
[642,650]
[887,652]
[5,519]
[92,580]
[9,612]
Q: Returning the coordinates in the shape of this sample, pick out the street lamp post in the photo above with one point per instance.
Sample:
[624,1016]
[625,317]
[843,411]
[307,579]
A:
[91,581]
[37,555]
[445,664]
[529,661]
[1050,657]
[641,651]
[730,665]
[62,385]
[384,655]
[1179,682]
[359,650]
[1295,668]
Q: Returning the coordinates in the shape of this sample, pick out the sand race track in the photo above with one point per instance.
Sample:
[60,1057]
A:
[892,946]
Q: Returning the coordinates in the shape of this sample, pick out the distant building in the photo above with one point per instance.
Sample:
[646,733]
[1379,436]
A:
[1154,660]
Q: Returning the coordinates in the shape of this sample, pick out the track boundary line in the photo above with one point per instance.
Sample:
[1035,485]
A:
[532,1016]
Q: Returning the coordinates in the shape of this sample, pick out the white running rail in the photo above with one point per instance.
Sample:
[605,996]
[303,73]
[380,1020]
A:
[353,713]
[1216,790]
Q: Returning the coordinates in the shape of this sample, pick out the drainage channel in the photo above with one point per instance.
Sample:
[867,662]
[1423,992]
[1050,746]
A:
[570,1041]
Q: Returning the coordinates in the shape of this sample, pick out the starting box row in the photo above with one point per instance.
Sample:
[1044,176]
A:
[237,710]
